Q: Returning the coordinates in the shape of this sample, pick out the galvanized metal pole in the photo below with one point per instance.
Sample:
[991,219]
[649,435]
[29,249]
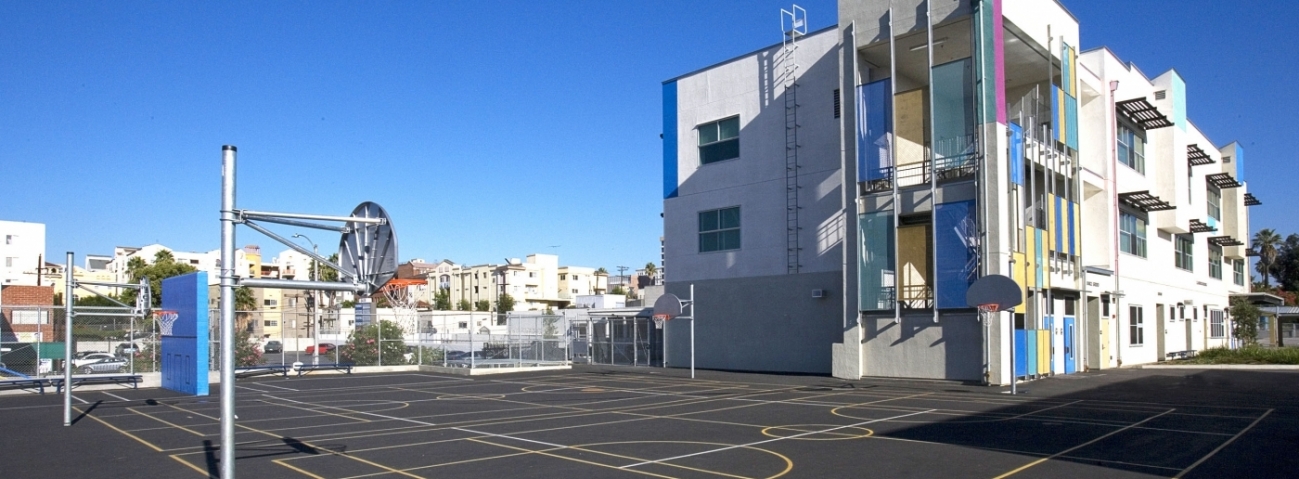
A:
[692,331]
[227,312]
[67,342]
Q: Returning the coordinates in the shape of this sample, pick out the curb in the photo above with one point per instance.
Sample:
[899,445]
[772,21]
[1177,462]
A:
[1239,367]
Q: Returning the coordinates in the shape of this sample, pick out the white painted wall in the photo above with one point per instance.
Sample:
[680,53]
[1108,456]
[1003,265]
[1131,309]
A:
[22,245]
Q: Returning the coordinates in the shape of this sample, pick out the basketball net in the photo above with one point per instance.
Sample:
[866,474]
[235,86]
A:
[659,319]
[166,319]
[988,308]
[403,306]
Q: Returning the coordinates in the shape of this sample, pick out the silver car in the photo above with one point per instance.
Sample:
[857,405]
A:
[113,365]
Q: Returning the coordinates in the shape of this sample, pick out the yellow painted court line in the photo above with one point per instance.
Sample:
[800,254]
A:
[302,471]
[290,406]
[169,423]
[191,465]
[1223,445]
[115,428]
[452,463]
[1080,446]
[583,461]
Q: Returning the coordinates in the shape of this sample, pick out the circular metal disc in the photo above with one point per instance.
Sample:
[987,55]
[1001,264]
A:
[369,250]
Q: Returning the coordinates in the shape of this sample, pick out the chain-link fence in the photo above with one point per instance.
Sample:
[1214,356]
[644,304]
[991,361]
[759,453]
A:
[104,340]
[482,340]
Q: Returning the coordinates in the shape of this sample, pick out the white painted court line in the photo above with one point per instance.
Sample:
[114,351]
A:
[251,389]
[1080,446]
[83,401]
[350,411]
[809,433]
[116,396]
[1223,445]
[276,387]
[471,431]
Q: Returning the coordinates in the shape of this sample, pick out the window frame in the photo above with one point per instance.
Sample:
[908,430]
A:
[1215,262]
[1213,202]
[1136,326]
[1136,237]
[720,231]
[717,125]
[1184,259]
[1129,142]
[1238,272]
[1217,324]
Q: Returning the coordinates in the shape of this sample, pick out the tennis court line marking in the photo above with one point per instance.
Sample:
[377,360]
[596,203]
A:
[169,423]
[252,389]
[83,401]
[124,433]
[394,418]
[809,433]
[277,387]
[1223,445]
[115,396]
[1080,446]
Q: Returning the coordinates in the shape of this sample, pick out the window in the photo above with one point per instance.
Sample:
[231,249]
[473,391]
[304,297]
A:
[1182,257]
[719,230]
[9,262]
[532,274]
[1215,262]
[269,302]
[719,140]
[1214,201]
[270,323]
[1216,327]
[9,239]
[563,277]
[1238,272]
[837,101]
[1132,234]
[1132,149]
[1136,326]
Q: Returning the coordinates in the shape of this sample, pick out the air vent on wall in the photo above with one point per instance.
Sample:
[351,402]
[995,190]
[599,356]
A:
[1159,95]
[836,103]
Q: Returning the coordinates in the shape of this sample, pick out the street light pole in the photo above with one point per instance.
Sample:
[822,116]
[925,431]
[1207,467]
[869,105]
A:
[315,295]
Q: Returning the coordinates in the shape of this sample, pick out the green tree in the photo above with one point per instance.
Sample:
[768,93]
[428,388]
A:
[1244,320]
[364,347]
[651,270]
[504,303]
[245,305]
[325,272]
[618,290]
[164,266]
[442,299]
[247,351]
[92,300]
[1266,242]
[464,305]
[602,271]
[483,305]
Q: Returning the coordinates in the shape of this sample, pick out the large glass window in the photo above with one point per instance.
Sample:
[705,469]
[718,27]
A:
[1182,256]
[719,230]
[1132,149]
[1214,201]
[1215,262]
[1132,234]
[1136,326]
[719,140]
[1238,272]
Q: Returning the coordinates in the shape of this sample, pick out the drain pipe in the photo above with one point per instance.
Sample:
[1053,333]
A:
[1114,178]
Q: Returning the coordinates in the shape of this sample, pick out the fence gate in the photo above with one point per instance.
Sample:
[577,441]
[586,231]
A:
[618,340]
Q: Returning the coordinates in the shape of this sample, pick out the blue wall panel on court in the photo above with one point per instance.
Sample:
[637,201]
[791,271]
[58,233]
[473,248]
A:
[956,238]
[1016,154]
[1070,361]
[874,131]
[185,351]
[1030,346]
[1021,353]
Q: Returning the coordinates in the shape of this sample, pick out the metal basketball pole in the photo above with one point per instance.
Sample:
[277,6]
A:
[67,342]
[227,312]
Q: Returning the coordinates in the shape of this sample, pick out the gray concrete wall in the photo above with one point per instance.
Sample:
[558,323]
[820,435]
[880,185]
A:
[768,323]
[917,347]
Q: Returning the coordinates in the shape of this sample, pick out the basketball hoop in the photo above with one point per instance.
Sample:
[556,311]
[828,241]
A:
[989,307]
[166,319]
[659,319]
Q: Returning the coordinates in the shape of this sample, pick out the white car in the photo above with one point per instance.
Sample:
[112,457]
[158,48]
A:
[92,358]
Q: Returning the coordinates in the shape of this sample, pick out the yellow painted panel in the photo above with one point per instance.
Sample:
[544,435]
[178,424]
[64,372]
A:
[1018,275]
[913,263]
[1043,351]
[909,127]
[1105,343]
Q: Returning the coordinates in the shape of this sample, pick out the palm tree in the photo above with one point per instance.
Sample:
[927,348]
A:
[245,303]
[1265,244]
[652,271]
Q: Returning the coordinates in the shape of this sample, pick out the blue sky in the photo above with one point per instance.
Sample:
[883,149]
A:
[486,129]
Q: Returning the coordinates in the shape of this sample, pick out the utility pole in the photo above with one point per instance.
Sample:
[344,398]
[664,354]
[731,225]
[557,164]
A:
[621,277]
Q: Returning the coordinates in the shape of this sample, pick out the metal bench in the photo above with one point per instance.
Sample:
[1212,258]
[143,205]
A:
[25,383]
[307,368]
[250,371]
[79,379]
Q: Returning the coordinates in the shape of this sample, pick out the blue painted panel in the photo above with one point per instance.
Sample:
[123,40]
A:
[1039,255]
[1179,101]
[875,256]
[1071,122]
[1070,361]
[1021,353]
[185,351]
[874,130]
[1016,154]
[670,180]
[1030,346]
[1072,234]
[956,239]
[1240,163]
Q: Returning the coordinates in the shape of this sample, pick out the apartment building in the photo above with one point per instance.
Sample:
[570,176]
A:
[832,197]
[21,252]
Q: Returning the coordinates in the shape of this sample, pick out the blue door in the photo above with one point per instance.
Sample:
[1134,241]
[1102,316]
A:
[1070,365]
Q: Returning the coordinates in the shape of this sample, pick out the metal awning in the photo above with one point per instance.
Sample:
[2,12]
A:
[1198,226]
[1143,113]
[1145,201]
[1222,180]
[1224,241]
[1250,252]
[1250,200]
[1196,156]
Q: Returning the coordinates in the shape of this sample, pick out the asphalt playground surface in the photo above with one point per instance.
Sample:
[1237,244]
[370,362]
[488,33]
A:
[614,422]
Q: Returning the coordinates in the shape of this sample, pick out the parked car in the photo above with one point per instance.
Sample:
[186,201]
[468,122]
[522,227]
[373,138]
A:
[126,349]
[325,348]
[90,357]
[114,365]
[464,355]
[275,347]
